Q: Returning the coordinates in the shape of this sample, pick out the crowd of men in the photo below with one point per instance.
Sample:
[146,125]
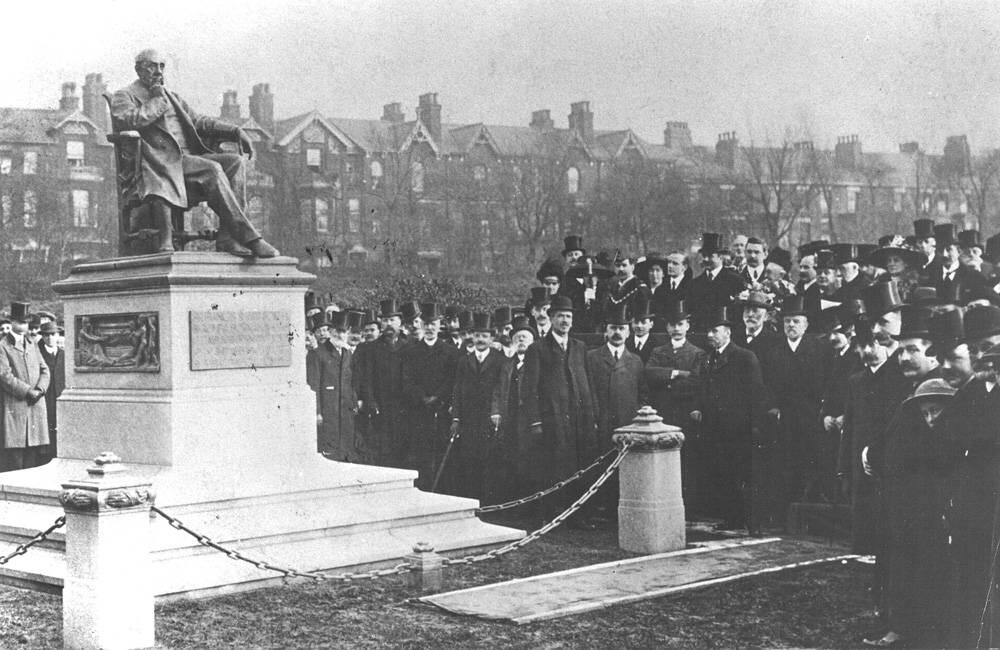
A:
[870,380]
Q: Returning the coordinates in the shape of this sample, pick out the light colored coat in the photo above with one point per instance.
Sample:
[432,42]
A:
[21,369]
[132,108]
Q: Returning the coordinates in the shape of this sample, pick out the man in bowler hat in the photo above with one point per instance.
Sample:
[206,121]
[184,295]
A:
[24,378]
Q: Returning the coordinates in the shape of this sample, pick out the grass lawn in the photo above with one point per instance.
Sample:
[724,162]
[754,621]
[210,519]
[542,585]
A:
[816,607]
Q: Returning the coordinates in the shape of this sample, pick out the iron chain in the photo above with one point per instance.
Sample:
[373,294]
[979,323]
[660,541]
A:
[233,554]
[538,495]
[39,537]
[527,539]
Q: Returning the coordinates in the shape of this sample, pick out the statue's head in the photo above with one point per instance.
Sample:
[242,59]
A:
[149,65]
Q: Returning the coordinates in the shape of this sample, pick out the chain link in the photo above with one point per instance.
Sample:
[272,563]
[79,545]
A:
[538,495]
[39,537]
[527,539]
[405,567]
[233,554]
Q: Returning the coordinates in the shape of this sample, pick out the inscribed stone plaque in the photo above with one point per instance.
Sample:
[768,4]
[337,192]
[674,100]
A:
[239,339]
[117,342]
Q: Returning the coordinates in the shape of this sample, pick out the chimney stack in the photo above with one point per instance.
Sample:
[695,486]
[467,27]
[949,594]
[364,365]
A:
[677,136]
[847,153]
[542,119]
[957,158]
[726,148]
[393,113]
[581,120]
[69,101]
[429,112]
[230,107]
[94,105]
[262,106]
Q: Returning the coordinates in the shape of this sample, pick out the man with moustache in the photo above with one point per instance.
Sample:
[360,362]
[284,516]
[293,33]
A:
[428,368]
[24,378]
[616,385]
[637,342]
[847,258]
[55,358]
[565,407]
[380,389]
[626,289]
[926,244]
[476,415]
[521,461]
[538,306]
[758,333]
[807,286]
[178,169]
[731,409]
[755,254]
[329,369]
[841,363]
[673,377]
[716,287]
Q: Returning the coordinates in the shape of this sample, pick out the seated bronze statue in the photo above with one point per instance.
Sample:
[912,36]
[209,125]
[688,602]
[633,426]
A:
[173,168]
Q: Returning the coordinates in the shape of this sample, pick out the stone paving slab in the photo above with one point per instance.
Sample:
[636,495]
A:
[584,589]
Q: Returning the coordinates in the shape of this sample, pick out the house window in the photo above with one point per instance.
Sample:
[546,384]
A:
[963,207]
[30,209]
[823,205]
[925,203]
[942,204]
[30,162]
[479,173]
[256,213]
[572,180]
[376,169]
[852,200]
[354,215]
[897,200]
[417,176]
[6,210]
[376,228]
[322,215]
[74,153]
[306,212]
[6,163]
[81,208]
[484,229]
[314,158]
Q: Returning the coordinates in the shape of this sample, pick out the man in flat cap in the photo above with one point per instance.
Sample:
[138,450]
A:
[24,378]
[178,168]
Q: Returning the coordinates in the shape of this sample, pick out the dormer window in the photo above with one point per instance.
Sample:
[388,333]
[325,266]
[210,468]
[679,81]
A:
[74,153]
[376,170]
[30,162]
[314,158]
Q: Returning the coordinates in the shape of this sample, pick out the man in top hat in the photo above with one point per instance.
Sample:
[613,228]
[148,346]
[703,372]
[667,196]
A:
[972,461]
[842,361]
[758,333]
[848,259]
[951,278]
[573,249]
[925,243]
[947,331]
[971,245]
[522,457]
[55,358]
[673,374]
[616,384]
[329,373]
[178,168]
[476,415]
[731,410]
[566,421]
[794,375]
[380,390]
[24,378]
[550,275]
[413,327]
[355,319]
[428,385]
[637,342]
[538,310]
[808,287]
[716,287]
[826,276]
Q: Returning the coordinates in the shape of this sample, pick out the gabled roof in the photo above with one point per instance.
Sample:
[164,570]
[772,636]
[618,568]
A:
[375,135]
[463,138]
[30,125]
[77,116]
[307,119]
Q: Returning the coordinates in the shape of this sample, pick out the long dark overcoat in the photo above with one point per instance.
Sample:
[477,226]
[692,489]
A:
[616,387]
[57,383]
[380,387]
[518,409]
[565,406]
[428,384]
[329,374]
[21,369]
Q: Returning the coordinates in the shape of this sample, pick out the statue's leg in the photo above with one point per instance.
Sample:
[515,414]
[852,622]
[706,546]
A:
[160,211]
[211,174]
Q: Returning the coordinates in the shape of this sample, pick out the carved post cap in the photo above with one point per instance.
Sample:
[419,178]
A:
[423,547]
[106,463]
[648,432]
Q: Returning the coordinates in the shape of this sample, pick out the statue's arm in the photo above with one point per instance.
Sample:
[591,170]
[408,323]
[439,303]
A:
[130,114]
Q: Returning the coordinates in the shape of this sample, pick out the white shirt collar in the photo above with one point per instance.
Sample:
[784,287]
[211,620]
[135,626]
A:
[561,339]
[677,345]
[616,352]
[712,273]
[481,355]
[874,369]
[794,345]
[723,348]
[640,339]
[808,284]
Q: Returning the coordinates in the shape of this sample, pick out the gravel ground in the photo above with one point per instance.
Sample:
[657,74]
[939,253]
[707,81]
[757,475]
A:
[816,607]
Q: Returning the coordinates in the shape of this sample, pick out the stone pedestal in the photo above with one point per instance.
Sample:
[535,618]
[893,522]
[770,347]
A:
[108,588]
[191,367]
[650,506]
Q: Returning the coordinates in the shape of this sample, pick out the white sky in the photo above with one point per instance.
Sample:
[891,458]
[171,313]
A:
[889,71]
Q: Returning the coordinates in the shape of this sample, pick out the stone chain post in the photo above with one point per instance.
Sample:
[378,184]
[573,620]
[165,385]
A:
[107,589]
[427,568]
[650,505]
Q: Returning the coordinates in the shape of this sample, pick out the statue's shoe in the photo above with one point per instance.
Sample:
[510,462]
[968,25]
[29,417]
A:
[260,248]
[233,247]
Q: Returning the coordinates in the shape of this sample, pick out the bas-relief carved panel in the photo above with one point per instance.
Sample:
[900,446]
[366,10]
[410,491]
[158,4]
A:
[128,342]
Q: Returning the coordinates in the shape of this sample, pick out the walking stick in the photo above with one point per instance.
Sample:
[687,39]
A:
[444,459]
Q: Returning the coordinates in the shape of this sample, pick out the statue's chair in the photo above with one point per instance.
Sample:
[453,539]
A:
[140,229]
